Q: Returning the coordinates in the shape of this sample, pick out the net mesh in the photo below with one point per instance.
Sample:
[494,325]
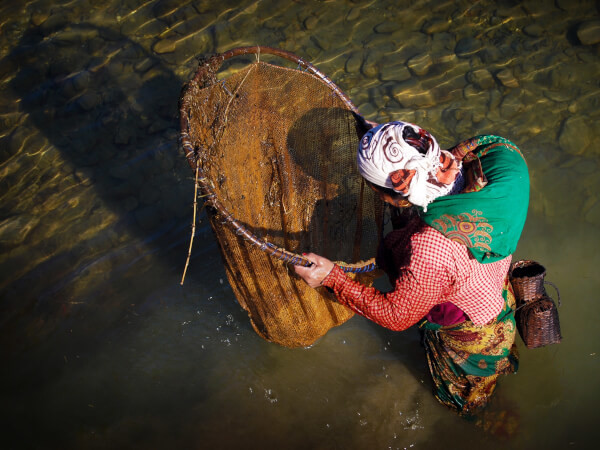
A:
[276,147]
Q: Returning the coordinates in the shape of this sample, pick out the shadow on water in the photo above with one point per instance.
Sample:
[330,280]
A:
[319,140]
[108,111]
[109,107]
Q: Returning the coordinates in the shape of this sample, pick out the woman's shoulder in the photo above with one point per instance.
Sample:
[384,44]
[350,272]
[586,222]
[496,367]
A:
[433,247]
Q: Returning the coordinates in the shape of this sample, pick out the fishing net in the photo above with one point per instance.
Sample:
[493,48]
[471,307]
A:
[274,148]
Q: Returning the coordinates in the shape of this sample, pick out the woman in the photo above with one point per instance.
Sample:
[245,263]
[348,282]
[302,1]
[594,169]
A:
[449,264]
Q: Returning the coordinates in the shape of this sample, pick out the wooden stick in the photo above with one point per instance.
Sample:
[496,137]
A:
[187,261]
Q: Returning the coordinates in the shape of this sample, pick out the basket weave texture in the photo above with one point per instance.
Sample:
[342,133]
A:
[276,147]
[527,279]
[536,314]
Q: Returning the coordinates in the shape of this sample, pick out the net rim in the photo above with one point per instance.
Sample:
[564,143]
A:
[202,75]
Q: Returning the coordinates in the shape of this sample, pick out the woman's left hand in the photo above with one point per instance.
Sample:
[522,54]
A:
[316,273]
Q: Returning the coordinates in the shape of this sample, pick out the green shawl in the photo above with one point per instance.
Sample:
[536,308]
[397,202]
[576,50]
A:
[490,220]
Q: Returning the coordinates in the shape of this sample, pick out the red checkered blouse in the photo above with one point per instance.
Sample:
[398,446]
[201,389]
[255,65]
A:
[439,271]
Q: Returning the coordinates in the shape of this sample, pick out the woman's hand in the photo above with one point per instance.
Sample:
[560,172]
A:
[316,273]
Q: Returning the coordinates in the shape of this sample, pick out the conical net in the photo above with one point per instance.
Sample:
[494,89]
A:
[276,150]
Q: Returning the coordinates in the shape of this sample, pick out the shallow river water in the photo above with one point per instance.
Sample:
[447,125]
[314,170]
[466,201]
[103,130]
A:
[101,346]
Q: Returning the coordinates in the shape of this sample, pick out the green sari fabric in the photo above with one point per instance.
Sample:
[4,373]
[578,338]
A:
[490,220]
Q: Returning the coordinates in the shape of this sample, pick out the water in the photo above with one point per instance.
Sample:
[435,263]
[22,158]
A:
[101,347]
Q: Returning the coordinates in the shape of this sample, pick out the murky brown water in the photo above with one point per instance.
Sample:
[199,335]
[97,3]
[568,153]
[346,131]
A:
[101,347]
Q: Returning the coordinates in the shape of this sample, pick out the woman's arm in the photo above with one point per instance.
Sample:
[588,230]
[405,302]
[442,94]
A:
[416,292]
[412,298]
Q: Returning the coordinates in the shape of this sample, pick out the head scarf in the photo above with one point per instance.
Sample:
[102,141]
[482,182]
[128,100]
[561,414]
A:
[406,158]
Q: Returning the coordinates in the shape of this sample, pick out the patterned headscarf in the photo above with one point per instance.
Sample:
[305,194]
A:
[406,158]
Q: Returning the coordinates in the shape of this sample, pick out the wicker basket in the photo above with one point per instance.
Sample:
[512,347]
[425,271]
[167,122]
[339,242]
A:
[527,280]
[538,323]
[536,313]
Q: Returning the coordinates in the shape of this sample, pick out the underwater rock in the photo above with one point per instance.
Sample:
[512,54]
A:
[322,42]
[450,89]
[164,7]
[491,54]
[85,175]
[472,93]
[436,26]
[386,27]
[9,121]
[565,5]
[115,69]
[14,230]
[89,100]
[382,43]
[17,139]
[467,47]
[69,36]
[370,66]
[202,6]
[380,98]
[82,80]
[144,65]
[533,30]
[512,104]
[558,96]
[354,62]
[165,46]
[394,73]
[420,64]
[481,78]
[310,23]
[367,110]
[110,34]
[575,135]
[54,22]
[464,127]
[353,14]
[589,32]
[507,78]
[443,40]
[587,55]
[445,57]
[39,17]
[410,94]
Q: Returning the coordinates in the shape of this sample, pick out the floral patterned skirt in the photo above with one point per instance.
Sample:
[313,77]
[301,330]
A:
[465,360]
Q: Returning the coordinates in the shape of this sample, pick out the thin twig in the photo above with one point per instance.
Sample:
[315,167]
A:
[225,114]
[187,261]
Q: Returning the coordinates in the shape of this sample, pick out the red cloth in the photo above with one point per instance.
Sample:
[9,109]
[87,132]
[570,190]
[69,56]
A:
[446,314]
[429,270]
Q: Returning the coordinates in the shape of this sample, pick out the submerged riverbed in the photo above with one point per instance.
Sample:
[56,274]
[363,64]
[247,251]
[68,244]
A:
[101,346]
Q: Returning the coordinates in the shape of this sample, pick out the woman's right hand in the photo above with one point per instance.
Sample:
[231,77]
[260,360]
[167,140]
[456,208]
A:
[316,272]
